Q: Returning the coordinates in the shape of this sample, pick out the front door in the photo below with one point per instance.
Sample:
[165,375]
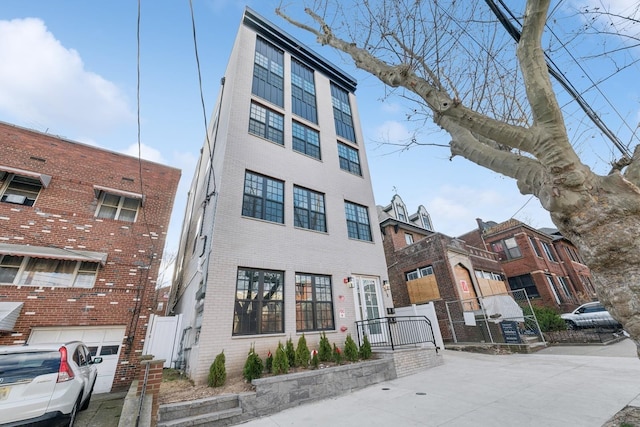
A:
[368,306]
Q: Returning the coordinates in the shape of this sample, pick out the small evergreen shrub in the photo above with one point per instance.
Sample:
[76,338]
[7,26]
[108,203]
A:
[365,349]
[351,352]
[548,319]
[291,352]
[217,372]
[337,355]
[315,362]
[325,353]
[302,353]
[268,362]
[253,367]
[280,361]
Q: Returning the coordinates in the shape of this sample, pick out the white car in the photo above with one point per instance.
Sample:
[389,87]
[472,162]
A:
[45,385]
[590,315]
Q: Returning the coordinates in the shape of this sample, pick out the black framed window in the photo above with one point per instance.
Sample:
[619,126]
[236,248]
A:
[357,221]
[524,282]
[263,198]
[19,190]
[548,251]
[534,245]
[259,305]
[349,159]
[266,123]
[314,303]
[303,91]
[342,113]
[268,73]
[308,209]
[305,140]
[507,248]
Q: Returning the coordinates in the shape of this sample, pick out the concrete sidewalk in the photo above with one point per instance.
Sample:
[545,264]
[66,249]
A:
[103,411]
[558,386]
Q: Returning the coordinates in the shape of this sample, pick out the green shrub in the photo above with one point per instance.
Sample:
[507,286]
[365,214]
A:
[315,362]
[291,352]
[268,362]
[302,353]
[325,353]
[217,372]
[253,367]
[280,361]
[351,352]
[365,349]
[337,355]
[548,319]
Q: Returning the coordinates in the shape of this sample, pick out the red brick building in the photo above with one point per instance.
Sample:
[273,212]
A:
[544,263]
[82,231]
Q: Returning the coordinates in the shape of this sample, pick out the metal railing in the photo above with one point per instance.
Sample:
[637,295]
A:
[395,331]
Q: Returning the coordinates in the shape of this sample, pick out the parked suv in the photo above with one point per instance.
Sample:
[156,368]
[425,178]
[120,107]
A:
[45,385]
[589,315]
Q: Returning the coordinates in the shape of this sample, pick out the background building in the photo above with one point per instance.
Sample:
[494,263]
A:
[82,230]
[279,237]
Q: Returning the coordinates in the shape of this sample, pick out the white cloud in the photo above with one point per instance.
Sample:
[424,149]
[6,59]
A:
[41,81]
[392,132]
[145,152]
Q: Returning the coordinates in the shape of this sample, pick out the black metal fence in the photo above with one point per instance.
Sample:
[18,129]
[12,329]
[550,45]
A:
[395,331]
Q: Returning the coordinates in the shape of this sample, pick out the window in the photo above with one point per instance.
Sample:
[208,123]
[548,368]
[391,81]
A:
[263,198]
[573,254]
[305,140]
[552,286]
[314,303]
[29,271]
[408,238]
[564,285]
[349,159]
[268,73]
[402,215]
[534,245]
[342,113]
[303,91]
[308,209]
[524,282]
[586,283]
[357,221]
[19,190]
[266,123]
[507,248]
[111,206]
[420,272]
[490,275]
[259,302]
[426,221]
[548,251]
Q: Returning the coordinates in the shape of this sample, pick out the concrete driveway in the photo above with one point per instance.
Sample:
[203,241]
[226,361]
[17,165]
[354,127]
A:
[103,411]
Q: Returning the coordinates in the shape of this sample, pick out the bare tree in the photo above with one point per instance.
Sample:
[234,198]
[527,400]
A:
[501,113]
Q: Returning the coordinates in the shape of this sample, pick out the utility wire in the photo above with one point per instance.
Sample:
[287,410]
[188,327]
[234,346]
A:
[555,73]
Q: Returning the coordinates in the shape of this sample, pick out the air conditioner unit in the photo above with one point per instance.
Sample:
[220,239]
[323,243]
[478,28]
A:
[15,198]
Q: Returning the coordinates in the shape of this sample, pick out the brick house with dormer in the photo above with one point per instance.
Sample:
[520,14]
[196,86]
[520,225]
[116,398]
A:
[82,231]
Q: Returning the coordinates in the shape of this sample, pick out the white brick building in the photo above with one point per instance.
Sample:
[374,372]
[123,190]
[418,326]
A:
[280,212]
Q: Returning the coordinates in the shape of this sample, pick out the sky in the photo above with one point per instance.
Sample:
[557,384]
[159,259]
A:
[70,68]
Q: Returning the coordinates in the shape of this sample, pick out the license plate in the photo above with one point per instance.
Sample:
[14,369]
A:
[4,392]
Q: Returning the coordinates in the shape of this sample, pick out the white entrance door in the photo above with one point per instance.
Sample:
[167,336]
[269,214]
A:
[368,299]
[103,341]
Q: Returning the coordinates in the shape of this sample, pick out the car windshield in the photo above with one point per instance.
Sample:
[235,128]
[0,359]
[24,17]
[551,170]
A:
[25,366]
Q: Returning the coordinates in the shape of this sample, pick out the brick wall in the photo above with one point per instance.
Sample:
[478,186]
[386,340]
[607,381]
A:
[63,216]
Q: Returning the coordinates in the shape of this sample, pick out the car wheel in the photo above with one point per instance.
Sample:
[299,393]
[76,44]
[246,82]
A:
[85,405]
[74,411]
[571,325]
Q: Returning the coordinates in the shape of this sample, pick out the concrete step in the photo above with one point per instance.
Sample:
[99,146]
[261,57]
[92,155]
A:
[211,419]
[194,408]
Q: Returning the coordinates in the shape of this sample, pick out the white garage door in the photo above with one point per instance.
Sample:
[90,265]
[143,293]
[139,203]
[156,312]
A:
[103,341]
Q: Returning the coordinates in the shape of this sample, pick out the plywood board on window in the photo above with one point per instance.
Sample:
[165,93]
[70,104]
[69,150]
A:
[491,287]
[423,289]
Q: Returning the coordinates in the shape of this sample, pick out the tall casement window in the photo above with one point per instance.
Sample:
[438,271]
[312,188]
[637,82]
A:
[19,190]
[308,209]
[268,73]
[29,271]
[342,113]
[548,251]
[349,159]
[357,221]
[263,198]
[426,221]
[121,208]
[314,303]
[306,140]
[303,91]
[259,302]
[524,282]
[507,248]
[534,245]
[266,123]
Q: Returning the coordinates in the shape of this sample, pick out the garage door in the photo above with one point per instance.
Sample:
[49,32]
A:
[103,341]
